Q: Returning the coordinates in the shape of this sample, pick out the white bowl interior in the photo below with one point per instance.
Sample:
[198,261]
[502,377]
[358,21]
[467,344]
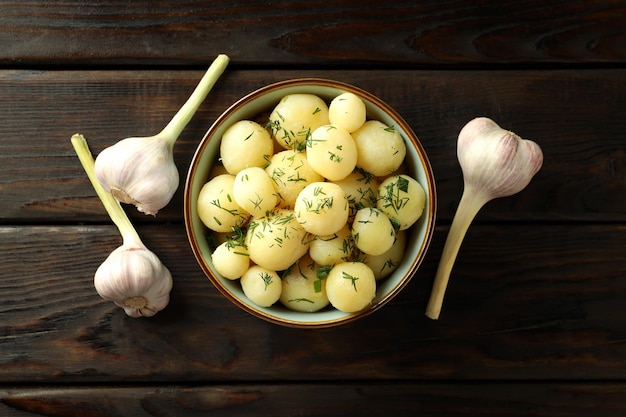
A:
[264,100]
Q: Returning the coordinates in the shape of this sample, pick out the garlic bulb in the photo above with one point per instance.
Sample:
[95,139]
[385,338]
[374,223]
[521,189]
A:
[495,163]
[141,170]
[132,276]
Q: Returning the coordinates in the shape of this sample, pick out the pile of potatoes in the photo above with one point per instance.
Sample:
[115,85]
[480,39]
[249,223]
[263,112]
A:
[310,206]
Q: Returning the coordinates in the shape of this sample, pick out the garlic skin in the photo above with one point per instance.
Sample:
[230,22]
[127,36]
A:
[495,163]
[134,278]
[139,171]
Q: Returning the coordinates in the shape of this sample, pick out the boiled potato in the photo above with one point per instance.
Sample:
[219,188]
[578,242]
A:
[372,231]
[302,289]
[361,190]
[216,206]
[403,199]
[262,286]
[295,117]
[231,260]
[276,240]
[331,151]
[383,265]
[350,286]
[254,191]
[332,249]
[248,135]
[347,111]
[322,208]
[291,172]
[380,148]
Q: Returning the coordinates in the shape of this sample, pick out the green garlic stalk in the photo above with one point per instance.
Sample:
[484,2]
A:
[132,276]
[141,170]
[495,163]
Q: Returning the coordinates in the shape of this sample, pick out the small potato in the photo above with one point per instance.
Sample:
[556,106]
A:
[361,190]
[403,199]
[331,151]
[383,265]
[254,191]
[350,286]
[245,144]
[347,111]
[276,241]
[372,231]
[231,260]
[216,206]
[380,148]
[295,117]
[291,172]
[322,208]
[332,249]
[302,289]
[262,286]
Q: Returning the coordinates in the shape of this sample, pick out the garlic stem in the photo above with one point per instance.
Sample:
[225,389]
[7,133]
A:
[172,131]
[470,204]
[111,205]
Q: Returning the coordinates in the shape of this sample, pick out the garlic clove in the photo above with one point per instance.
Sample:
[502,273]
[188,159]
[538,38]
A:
[134,278]
[139,171]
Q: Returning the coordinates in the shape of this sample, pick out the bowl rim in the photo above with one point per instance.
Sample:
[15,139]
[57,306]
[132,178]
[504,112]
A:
[374,100]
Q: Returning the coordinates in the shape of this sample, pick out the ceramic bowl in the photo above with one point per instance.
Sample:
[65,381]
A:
[262,101]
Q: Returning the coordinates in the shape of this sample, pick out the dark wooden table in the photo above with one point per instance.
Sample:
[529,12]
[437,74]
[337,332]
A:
[534,321]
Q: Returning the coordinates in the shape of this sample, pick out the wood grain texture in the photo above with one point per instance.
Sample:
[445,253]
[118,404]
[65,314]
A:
[524,303]
[532,323]
[305,400]
[574,115]
[281,33]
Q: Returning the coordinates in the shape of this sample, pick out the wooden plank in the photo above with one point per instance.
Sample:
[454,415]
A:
[363,399]
[279,33]
[524,303]
[574,115]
